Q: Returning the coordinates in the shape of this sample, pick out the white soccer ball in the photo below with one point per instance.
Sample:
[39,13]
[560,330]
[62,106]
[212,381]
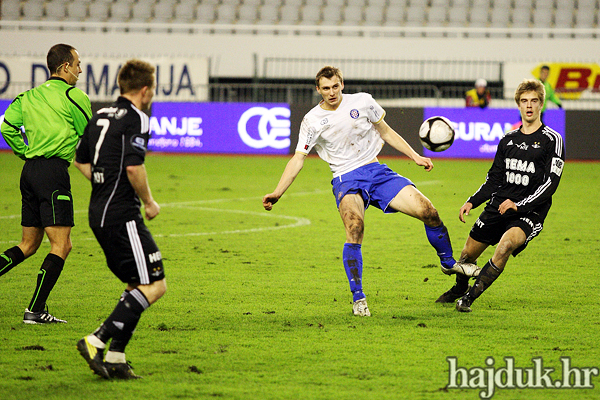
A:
[436,133]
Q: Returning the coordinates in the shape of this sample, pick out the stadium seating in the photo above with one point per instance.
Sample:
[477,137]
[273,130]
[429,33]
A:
[77,11]
[394,13]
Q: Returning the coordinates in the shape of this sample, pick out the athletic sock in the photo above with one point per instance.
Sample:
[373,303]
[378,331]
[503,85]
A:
[489,273]
[462,283]
[47,277]
[353,264]
[10,259]
[115,357]
[94,341]
[440,240]
[122,322]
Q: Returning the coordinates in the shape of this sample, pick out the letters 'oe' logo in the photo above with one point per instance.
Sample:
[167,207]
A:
[273,132]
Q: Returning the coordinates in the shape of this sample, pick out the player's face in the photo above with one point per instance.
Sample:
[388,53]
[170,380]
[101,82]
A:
[147,97]
[544,74]
[530,107]
[73,70]
[331,91]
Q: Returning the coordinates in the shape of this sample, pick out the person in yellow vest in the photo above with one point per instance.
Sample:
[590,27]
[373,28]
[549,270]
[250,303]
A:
[479,96]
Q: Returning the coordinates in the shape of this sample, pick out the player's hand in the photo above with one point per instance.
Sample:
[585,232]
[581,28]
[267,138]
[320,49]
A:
[464,210]
[424,162]
[506,205]
[151,210]
[269,200]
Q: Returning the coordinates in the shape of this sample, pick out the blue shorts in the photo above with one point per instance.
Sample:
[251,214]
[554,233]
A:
[376,183]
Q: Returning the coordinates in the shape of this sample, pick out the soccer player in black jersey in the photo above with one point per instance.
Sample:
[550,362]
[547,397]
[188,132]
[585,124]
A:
[111,154]
[519,186]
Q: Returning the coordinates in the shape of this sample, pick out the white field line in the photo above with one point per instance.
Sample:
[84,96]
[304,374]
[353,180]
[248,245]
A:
[296,221]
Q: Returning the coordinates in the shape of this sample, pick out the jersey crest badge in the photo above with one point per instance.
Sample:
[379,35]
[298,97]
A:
[354,113]
[138,143]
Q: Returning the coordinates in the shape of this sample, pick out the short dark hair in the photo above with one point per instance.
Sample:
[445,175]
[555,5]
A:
[328,72]
[134,75]
[545,67]
[58,55]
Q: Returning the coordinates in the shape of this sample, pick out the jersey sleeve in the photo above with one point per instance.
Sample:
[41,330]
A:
[11,128]
[375,112]
[306,137]
[82,109]
[136,140]
[493,181]
[82,154]
[555,162]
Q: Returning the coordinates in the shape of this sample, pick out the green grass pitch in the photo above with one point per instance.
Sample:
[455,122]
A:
[258,305]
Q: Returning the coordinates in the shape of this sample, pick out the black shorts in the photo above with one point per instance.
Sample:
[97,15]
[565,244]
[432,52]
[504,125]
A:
[131,253]
[46,198]
[490,226]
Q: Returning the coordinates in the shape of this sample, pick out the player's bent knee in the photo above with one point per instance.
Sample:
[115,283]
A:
[154,291]
[430,216]
[355,225]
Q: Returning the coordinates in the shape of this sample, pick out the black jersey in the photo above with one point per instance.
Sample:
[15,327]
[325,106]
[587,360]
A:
[526,170]
[116,137]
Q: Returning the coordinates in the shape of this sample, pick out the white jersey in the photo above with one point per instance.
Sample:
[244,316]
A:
[346,137]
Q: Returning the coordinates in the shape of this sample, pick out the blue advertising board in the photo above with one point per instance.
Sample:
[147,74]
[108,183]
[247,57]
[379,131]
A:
[3,106]
[478,131]
[236,128]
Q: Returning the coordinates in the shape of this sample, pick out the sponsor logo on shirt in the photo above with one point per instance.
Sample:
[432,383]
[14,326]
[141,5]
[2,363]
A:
[523,146]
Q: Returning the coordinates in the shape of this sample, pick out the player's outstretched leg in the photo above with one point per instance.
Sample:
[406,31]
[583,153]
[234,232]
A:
[10,259]
[457,291]
[353,264]
[439,238]
[489,273]
[127,314]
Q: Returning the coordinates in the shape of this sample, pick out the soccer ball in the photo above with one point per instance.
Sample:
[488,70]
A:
[436,133]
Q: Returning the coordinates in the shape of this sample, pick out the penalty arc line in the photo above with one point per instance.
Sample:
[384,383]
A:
[298,221]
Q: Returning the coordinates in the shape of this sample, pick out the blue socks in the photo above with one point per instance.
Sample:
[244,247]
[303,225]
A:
[353,264]
[440,240]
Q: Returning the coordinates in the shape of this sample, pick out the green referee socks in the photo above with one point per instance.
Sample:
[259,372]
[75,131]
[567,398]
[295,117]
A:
[10,259]
[47,277]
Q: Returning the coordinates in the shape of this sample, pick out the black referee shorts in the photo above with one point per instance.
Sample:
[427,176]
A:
[490,226]
[131,253]
[46,193]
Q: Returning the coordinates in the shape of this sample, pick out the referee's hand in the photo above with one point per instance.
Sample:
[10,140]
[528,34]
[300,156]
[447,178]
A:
[151,209]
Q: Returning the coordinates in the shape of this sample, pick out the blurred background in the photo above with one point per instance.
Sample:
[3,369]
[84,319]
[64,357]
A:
[414,57]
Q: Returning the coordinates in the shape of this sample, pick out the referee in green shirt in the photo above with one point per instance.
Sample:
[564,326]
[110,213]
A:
[43,126]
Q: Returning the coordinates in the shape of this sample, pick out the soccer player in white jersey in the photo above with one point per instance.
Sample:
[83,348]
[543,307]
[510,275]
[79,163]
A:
[518,189]
[348,131]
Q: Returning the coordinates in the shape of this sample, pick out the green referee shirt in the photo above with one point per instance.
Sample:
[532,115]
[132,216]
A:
[54,115]
[550,96]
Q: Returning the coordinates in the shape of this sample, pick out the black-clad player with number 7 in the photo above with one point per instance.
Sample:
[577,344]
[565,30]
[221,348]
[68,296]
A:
[519,186]
[111,154]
